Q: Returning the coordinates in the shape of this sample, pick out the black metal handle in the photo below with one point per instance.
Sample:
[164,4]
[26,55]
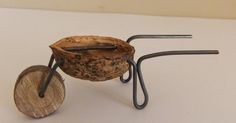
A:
[157,37]
[181,52]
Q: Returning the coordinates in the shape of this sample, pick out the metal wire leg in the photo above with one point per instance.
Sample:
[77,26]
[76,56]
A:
[129,76]
[48,79]
[137,70]
[135,73]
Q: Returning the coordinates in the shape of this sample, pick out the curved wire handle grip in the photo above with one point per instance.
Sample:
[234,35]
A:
[181,52]
[150,37]
[137,70]
[166,53]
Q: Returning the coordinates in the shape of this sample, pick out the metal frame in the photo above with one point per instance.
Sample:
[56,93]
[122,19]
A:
[137,72]
[137,66]
[185,36]
[53,68]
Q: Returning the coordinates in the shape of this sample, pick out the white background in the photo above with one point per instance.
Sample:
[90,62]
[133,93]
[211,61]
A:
[182,89]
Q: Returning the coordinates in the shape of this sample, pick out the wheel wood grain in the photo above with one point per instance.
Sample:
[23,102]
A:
[27,88]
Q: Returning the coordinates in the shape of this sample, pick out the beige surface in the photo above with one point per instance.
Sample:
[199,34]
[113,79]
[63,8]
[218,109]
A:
[182,89]
[190,8]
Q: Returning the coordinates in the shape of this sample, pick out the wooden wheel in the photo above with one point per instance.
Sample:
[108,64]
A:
[26,92]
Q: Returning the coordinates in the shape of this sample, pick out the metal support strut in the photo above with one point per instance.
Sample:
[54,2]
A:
[50,75]
[137,67]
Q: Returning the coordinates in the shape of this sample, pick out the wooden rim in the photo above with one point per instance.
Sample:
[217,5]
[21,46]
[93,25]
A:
[26,91]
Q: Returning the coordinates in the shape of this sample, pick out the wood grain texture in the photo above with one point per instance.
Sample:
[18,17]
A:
[27,88]
[93,65]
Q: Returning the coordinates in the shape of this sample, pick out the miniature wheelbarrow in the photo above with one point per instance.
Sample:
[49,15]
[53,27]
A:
[39,90]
